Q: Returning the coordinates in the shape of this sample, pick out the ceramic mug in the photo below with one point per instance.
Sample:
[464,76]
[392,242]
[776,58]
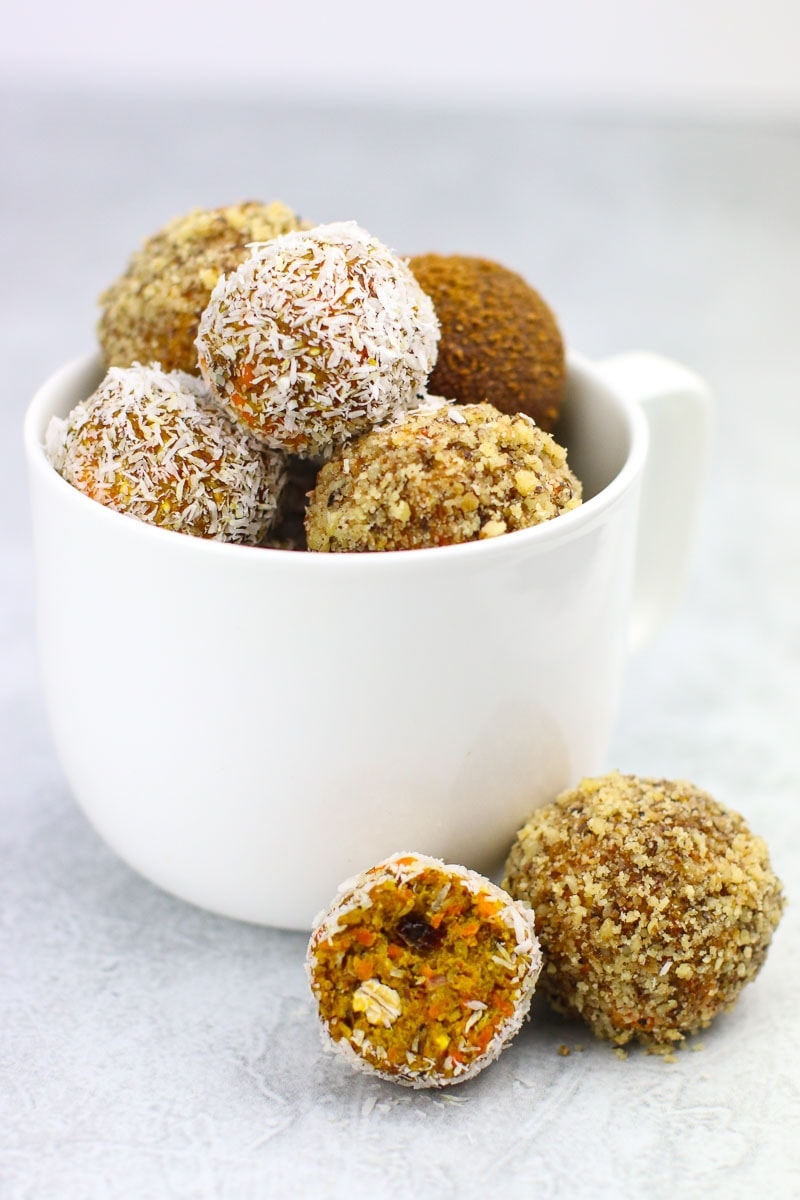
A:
[248,727]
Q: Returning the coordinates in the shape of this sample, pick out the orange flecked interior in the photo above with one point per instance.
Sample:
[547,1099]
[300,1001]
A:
[439,954]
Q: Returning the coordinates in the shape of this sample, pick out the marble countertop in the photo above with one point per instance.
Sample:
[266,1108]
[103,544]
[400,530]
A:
[149,1049]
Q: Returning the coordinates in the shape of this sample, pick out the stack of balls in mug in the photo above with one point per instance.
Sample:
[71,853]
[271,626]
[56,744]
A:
[291,387]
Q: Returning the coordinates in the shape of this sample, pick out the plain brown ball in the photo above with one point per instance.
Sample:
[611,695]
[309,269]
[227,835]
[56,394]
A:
[500,342]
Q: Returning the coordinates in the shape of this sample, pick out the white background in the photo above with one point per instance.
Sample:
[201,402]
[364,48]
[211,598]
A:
[708,57]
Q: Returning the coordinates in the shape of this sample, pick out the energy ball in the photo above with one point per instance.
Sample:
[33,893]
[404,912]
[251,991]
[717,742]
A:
[317,337]
[151,313]
[455,473]
[422,972]
[152,445]
[500,341]
[654,905]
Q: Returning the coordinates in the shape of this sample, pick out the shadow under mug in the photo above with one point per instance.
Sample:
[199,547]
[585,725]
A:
[248,727]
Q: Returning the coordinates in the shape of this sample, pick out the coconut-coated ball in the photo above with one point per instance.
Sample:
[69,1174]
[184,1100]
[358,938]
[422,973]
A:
[152,445]
[317,337]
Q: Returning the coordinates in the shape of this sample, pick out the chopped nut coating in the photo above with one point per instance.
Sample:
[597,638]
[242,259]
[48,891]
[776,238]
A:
[151,313]
[654,905]
[427,480]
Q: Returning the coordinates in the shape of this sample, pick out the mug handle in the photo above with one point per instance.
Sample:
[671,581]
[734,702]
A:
[678,407]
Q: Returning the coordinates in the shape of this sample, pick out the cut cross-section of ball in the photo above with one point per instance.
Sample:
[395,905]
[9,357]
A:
[422,971]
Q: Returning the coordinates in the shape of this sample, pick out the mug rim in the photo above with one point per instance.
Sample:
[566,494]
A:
[564,527]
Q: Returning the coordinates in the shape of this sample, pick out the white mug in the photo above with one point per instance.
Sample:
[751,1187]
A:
[247,727]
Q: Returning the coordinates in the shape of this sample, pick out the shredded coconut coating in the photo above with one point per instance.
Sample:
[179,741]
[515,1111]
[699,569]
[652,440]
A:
[151,313]
[422,971]
[446,474]
[152,445]
[318,336]
[500,340]
[654,905]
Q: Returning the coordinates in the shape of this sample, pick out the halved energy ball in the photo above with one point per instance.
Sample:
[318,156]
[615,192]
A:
[152,311]
[438,476]
[152,445]
[654,905]
[422,971]
[317,337]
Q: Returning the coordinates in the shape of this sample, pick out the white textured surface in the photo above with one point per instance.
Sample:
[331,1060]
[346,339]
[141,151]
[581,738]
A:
[148,1049]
